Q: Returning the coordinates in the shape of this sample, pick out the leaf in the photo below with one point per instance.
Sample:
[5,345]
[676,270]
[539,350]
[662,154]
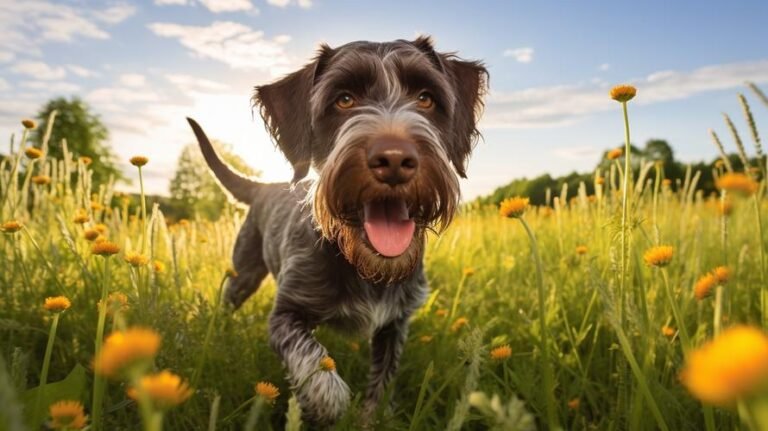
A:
[71,388]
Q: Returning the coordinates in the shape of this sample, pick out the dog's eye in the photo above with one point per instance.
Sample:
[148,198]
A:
[345,101]
[425,100]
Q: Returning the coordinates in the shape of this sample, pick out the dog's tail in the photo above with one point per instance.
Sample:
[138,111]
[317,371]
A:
[240,187]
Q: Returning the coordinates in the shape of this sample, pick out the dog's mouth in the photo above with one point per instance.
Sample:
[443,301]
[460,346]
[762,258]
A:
[388,226]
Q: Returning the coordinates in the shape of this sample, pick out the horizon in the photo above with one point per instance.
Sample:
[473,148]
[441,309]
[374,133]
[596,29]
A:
[145,66]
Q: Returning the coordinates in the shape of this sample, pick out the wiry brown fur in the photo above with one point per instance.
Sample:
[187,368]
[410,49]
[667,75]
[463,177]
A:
[312,238]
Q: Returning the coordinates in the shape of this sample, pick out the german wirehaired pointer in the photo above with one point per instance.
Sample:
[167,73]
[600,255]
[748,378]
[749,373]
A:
[389,128]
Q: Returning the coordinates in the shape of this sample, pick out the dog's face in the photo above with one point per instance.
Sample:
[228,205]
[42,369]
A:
[389,127]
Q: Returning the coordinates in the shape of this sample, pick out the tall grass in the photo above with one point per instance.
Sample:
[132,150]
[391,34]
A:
[612,366]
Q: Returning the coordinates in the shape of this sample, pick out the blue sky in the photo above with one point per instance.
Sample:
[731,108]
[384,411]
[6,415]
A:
[144,66]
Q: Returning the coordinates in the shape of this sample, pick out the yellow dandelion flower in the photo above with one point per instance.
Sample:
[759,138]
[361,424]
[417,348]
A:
[56,304]
[105,248]
[703,287]
[737,182]
[659,256]
[136,259]
[33,153]
[81,216]
[666,182]
[164,389]
[158,266]
[67,414]
[11,226]
[513,207]
[668,331]
[459,323]
[732,366]
[116,302]
[722,274]
[123,349]
[184,222]
[623,93]
[441,312]
[139,161]
[95,206]
[599,180]
[468,271]
[574,404]
[426,339]
[501,353]
[85,160]
[41,180]
[268,391]
[28,123]
[725,207]
[327,364]
[614,153]
[101,228]
[581,250]
[99,238]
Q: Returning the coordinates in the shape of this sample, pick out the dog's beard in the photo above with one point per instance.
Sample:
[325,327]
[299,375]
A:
[346,187]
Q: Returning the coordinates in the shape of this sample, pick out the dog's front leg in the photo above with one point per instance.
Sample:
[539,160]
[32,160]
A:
[323,395]
[386,348]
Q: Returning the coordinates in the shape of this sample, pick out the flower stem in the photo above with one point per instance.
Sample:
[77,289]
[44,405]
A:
[684,337]
[99,384]
[546,366]
[761,247]
[208,334]
[49,349]
[47,360]
[624,216]
[143,212]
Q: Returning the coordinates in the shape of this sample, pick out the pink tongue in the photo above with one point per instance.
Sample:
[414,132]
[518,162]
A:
[388,227]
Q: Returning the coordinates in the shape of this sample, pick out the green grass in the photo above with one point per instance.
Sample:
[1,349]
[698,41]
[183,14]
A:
[605,350]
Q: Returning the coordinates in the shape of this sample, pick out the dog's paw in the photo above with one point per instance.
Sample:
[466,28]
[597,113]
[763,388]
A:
[324,398]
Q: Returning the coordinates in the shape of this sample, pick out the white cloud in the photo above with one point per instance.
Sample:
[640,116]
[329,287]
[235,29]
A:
[116,98]
[28,24]
[4,85]
[578,152]
[521,55]
[39,70]
[116,13]
[304,4]
[132,80]
[6,56]
[603,67]
[565,104]
[218,6]
[81,71]
[188,83]
[52,87]
[171,2]
[232,43]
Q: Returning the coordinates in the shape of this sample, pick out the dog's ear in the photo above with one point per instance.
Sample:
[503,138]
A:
[284,106]
[470,83]
[426,45]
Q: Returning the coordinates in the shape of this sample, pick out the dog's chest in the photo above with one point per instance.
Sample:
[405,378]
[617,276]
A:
[368,313]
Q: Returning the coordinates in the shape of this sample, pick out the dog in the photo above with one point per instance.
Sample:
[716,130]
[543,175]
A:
[389,128]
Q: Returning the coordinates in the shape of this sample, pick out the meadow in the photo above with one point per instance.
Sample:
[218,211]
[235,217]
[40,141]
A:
[597,323]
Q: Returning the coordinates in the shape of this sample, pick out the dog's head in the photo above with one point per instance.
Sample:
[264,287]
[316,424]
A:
[389,127]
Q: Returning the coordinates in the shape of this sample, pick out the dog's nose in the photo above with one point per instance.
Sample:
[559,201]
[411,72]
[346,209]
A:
[393,161]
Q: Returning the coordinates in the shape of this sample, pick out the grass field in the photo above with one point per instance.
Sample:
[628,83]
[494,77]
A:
[607,353]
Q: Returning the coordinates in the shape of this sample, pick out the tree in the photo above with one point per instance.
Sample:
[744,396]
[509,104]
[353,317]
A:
[659,150]
[194,190]
[86,136]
